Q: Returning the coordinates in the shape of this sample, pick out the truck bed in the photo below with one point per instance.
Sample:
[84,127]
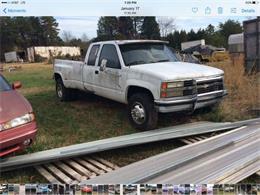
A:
[70,70]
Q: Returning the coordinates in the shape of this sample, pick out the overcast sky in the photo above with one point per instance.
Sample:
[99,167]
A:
[88,25]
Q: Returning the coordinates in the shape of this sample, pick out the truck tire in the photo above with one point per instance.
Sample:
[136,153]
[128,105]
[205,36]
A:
[63,93]
[141,111]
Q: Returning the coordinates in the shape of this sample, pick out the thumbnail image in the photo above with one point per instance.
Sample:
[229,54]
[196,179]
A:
[110,78]
[95,189]
[78,190]
[130,189]
[3,188]
[86,190]
[114,189]
[150,189]
[167,189]
[159,189]
[38,189]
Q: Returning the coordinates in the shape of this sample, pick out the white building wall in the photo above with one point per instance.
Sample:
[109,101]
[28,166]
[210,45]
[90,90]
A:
[46,52]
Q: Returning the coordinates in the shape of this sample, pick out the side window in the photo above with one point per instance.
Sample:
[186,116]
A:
[109,53]
[93,55]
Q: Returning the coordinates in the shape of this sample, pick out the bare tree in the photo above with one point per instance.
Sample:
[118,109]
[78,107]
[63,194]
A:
[67,36]
[167,25]
[84,37]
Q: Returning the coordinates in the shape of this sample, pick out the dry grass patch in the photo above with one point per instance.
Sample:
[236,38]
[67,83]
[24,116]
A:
[35,90]
[243,91]
[30,66]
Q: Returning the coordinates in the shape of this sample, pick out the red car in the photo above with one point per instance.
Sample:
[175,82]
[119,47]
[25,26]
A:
[17,121]
[86,189]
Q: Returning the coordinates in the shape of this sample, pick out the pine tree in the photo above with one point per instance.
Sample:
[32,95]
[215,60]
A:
[50,31]
[126,27]
[107,28]
[150,28]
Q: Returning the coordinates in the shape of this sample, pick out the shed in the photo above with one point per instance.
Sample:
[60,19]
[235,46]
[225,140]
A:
[201,49]
[15,56]
[236,43]
[189,44]
[11,56]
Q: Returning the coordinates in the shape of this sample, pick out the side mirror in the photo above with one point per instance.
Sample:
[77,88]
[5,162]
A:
[17,85]
[103,64]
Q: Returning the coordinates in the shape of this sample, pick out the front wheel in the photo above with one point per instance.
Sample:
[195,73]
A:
[141,111]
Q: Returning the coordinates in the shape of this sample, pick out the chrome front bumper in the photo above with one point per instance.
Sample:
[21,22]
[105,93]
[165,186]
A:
[189,103]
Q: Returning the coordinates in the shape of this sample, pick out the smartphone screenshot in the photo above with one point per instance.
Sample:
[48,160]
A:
[130,97]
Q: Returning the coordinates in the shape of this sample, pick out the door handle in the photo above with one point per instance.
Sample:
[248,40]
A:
[96,71]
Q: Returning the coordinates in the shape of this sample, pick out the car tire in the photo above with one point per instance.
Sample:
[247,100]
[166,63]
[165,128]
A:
[142,112]
[63,93]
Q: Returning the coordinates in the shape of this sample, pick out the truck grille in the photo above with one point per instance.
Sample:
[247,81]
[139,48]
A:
[192,87]
[189,83]
[207,86]
[189,87]
[189,92]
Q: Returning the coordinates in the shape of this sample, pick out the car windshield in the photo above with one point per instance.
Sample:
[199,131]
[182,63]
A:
[4,85]
[146,53]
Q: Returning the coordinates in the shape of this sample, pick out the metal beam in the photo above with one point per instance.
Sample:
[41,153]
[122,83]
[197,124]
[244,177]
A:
[245,172]
[191,163]
[118,142]
[214,166]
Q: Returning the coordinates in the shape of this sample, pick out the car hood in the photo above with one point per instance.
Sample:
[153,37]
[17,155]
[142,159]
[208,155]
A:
[13,105]
[177,70]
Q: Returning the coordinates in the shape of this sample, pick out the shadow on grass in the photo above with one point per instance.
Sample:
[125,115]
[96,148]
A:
[89,118]
[164,120]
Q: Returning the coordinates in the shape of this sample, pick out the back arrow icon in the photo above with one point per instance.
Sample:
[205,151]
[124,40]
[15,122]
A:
[4,10]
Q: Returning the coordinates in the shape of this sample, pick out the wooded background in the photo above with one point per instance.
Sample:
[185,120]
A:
[19,33]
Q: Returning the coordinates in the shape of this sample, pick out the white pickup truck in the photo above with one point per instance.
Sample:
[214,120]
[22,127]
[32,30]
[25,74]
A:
[145,74]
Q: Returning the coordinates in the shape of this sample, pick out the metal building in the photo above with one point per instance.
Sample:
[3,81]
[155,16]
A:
[252,44]
[47,52]
[15,56]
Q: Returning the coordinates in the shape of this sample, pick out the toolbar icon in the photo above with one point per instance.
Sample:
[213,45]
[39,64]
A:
[233,10]
[195,10]
[220,10]
[207,10]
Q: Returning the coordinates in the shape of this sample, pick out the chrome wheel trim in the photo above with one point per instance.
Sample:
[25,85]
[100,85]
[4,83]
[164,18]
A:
[138,113]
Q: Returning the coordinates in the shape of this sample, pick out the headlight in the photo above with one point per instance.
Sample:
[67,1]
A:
[174,89]
[176,84]
[17,121]
[168,85]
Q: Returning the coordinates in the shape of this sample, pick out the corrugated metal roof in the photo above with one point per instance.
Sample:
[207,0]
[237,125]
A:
[203,162]
[118,142]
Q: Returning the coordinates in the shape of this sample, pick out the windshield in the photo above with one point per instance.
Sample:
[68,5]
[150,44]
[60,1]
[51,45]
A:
[146,53]
[4,85]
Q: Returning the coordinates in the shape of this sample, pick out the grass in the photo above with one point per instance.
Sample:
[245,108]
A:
[92,118]
[243,92]
[66,123]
